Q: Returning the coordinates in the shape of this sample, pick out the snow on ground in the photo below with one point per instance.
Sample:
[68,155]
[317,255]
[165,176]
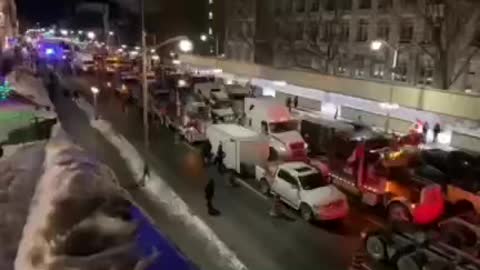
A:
[77,218]
[19,173]
[31,88]
[167,198]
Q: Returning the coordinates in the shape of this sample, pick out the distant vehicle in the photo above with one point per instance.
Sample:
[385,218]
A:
[266,116]
[244,148]
[116,64]
[55,49]
[221,106]
[84,62]
[194,122]
[305,189]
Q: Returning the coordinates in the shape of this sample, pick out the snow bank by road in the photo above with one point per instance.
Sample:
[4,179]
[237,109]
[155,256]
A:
[78,217]
[19,172]
[168,199]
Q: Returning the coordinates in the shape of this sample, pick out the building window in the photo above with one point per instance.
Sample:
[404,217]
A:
[299,31]
[359,62]
[365,4]
[315,5]
[313,31]
[210,2]
[210,15]
[210,31]
[344,31]
[409,3]
[300,5]
[426,71]
[406,31]
[346,4]
[362,33]
[401,72]
[328,29]
[330,5]
[383,30]
[384,5]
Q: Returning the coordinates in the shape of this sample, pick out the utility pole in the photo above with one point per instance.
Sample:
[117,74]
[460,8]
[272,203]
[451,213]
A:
[144,76]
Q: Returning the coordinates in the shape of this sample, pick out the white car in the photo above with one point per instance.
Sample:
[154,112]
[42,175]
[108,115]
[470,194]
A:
[305,189]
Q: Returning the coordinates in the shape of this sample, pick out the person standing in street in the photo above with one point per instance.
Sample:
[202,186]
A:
[295,102]
[436,131]
[209,194]
[425,129]
[288,102]
[219,158]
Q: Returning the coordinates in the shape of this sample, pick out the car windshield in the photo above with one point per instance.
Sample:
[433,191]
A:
[311,181]
[279,127]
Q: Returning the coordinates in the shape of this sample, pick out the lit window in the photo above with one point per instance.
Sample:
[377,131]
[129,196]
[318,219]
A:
[210,15]
[210,31]
[210,2]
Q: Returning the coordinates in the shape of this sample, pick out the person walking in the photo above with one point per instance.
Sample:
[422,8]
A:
[219,158]
[209,194]
[425,129]
[295,102]
[288,102]
[436,131]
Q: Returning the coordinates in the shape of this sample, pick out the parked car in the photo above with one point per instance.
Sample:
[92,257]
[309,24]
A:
[305,189]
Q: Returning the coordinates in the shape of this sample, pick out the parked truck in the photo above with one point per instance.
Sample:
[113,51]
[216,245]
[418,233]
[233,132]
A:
[303,188]
[243,148]
[408,248]
[379,175]
[268,117]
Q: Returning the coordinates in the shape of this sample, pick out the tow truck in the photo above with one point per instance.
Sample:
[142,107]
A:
[371,169]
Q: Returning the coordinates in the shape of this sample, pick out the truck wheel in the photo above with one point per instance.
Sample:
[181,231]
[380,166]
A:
[306,212]
[397,212]
[376,247]
[273,154]
[264,187]
[409,262]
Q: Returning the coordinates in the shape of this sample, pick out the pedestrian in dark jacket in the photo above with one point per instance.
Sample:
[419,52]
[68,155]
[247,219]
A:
[288,102]
[436,131]
[207,153]
[425,129]
[209,194]
[219,158]
[295,102]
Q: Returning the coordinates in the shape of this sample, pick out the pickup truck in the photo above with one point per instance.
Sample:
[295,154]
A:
[303,188]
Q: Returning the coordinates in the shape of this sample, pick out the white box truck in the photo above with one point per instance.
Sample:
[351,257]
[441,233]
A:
[265,115]
[244,148]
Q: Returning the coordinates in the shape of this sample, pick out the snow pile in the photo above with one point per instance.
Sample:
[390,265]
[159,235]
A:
[19,170]
[168,199]
[79,217]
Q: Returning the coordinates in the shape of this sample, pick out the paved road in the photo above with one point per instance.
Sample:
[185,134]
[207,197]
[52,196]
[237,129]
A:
[260,241]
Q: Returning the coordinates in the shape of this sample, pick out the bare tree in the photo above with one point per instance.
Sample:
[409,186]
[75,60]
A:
[453,27]
[329,49]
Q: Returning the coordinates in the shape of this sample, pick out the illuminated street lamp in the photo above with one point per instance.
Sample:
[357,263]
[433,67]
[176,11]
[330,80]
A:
[203,37]
[185,45]
[377,45]
[95,92]
[111,33]
[91,35]
[64,32]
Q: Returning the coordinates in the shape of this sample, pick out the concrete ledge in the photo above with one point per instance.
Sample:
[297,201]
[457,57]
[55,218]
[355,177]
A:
[452,103]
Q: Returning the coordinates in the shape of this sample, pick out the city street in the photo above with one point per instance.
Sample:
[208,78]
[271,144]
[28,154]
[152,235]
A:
[260,241]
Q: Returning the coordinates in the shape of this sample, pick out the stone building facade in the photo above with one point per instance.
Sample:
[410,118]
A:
[335,36]
[8,21]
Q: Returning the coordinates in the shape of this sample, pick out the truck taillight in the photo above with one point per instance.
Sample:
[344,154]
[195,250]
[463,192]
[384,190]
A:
[431,194]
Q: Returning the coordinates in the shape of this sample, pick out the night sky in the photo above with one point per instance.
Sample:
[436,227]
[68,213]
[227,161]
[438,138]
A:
[164,17]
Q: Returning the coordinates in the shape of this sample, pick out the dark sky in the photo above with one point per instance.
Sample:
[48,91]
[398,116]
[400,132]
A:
[165,17]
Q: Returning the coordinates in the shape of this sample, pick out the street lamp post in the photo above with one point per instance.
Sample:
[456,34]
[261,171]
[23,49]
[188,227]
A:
[204,38]
[376,46]
[95,92]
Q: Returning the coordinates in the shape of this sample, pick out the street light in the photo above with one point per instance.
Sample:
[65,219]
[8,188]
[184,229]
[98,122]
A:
[203,37]
[111,33]
[64,32]
[95,92]
[91,35]
[185,45]
[376,45]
